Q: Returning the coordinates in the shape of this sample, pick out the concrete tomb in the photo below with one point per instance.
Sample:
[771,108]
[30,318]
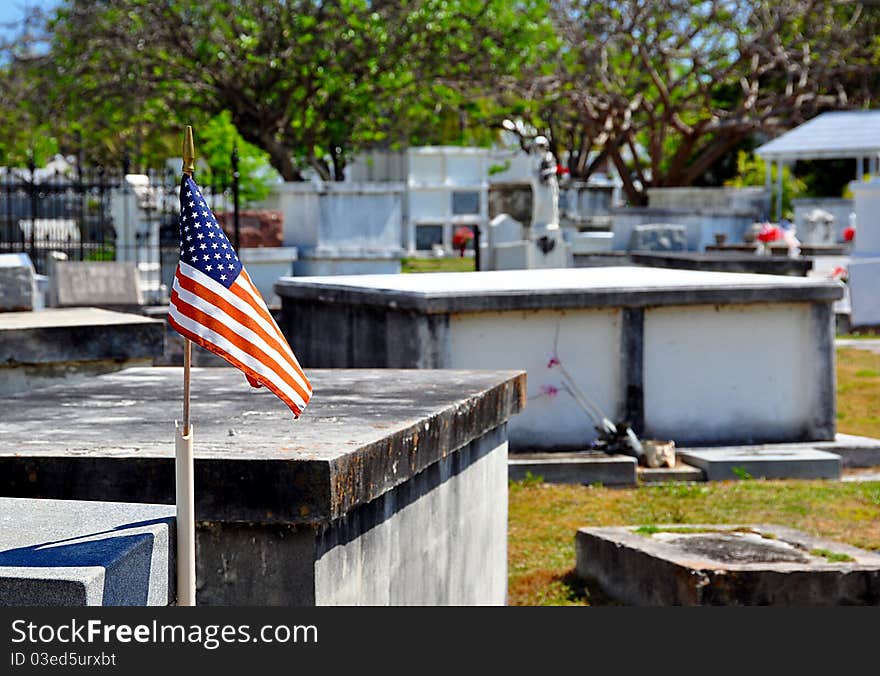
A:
[674,352]
[44,348]
[703,565]
[391,489]
[77,553]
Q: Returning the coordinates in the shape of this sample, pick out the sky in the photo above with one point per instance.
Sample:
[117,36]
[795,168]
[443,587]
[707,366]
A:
[13,10]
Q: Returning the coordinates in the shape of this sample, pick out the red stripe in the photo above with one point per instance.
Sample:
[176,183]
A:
[245,296]
[243,344]
[198,340]
[277,341]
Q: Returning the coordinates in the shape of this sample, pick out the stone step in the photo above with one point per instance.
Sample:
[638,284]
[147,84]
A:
[807,460]
[78,553]
[662,475]
[578,467]
[742,462]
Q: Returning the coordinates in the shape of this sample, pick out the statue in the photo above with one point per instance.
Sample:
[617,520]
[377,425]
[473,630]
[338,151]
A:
[545,187]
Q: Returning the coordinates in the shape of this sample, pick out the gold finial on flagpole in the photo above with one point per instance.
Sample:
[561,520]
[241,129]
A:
[189,152]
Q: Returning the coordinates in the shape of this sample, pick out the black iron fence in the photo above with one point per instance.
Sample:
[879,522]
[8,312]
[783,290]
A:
[97,214]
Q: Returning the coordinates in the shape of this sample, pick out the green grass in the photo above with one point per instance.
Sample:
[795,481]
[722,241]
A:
[832,557]
[543,518]
[443,264]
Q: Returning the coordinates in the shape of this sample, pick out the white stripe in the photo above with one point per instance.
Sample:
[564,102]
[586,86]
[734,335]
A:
[238,328]
[245,285]
[224,344]
[200,277]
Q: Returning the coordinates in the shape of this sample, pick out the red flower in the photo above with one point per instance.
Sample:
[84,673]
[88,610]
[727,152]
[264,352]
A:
[461,237]
[769,233]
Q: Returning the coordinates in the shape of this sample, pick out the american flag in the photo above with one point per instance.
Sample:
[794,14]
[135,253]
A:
[215,304]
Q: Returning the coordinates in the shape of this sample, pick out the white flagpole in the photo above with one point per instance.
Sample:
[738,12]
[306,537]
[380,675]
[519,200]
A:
[183,460]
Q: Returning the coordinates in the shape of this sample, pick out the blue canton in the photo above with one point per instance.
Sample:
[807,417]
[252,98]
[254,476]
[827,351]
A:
[203,244]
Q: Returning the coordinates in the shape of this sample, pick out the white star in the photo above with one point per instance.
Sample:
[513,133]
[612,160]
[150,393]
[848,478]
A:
[216,255]
[223,277]
[205,213]
[189,238]
[227,255]
[213,245]
[198,225]
[206,257]
[188,192]
[200,236]
[208,268]
[211,234]
[203,246]
[224,246]
[220,266]
[192,204]
[192,248]
[184,216]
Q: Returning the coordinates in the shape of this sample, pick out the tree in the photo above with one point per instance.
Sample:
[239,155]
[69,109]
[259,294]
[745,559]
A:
[308,82]
[664,88]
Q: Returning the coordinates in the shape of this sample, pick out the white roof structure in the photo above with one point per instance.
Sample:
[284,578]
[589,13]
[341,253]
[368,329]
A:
[837,135]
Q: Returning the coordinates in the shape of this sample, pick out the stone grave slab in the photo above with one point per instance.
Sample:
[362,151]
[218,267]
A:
[791,462]
[78,553]
[583,467]
[699,565]
[96,284]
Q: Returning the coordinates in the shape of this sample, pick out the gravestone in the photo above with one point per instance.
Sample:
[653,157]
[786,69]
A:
[95,284]
[658,237]
[17,283]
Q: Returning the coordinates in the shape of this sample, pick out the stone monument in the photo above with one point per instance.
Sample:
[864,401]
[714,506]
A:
[543,245]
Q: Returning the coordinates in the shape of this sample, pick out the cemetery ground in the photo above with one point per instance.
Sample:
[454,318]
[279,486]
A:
[543,518]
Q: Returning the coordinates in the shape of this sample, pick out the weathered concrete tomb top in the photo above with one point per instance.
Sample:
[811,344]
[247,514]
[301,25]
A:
[442,293]
[364,433]
[726,565]
[76,334]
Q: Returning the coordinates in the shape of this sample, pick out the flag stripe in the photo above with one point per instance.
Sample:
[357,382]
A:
[195,293]
[219,351]
[219,344]
[237,300]
[236,335]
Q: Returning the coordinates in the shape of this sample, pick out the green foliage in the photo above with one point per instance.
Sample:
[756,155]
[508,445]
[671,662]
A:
[216,140]
[310,83]
[751,171]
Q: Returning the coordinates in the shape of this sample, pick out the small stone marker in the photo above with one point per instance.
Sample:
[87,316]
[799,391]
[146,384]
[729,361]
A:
[95,284]
[660,237]
[17,282]
[700,565]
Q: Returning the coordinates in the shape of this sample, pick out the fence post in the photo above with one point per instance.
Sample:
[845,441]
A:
[235,176]
[81,190]
[32,167]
